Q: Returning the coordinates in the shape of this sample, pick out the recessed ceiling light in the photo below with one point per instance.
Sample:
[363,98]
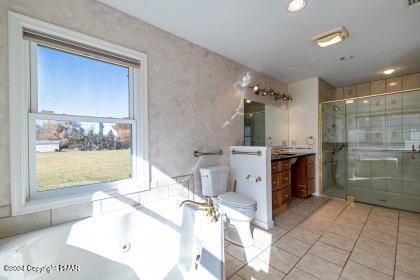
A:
[296,5]
[346,57]
[389,71]
[331,37]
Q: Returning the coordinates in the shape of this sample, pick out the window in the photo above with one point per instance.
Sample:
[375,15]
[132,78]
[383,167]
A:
[80,117]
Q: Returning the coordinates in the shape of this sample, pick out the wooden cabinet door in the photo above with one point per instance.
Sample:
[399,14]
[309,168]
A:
[275,166]
[284,179]
[310,171]
[275,181]
[311,187]
[275,200]
[284,195]
[284,164]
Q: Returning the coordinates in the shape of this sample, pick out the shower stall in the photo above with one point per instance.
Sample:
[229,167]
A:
[370,149]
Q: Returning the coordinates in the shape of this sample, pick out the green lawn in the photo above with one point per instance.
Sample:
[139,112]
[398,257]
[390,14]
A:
[73,168]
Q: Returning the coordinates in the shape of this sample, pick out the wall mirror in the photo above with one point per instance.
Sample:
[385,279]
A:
[265,124]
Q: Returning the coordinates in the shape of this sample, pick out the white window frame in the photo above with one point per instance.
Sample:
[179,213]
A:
[22,128]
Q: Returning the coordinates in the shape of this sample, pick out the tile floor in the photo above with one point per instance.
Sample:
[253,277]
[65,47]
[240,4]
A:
[320,238]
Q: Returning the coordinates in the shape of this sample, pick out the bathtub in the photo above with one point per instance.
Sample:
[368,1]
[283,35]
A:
[157,241]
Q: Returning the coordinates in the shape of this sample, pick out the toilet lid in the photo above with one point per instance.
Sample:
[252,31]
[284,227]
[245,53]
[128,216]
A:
[236,200]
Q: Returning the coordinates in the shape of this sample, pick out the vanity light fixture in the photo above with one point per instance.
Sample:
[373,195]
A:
[271,92]
[389,71]
[331,37]
[296,5]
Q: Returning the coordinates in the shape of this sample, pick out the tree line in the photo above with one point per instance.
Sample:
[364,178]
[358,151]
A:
[71,135]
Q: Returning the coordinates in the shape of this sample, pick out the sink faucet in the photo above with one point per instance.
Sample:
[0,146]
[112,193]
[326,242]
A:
[206,206]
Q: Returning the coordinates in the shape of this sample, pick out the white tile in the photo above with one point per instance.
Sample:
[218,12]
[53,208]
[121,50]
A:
[330,253]
[232,265]
[297,274]
[354,271]
[245,255]
[119,202]
[293,246]
[10,226]
[260,270]
[278,258]
[374,261]
[154,194]
[5,211]
[75,212]
[319,267]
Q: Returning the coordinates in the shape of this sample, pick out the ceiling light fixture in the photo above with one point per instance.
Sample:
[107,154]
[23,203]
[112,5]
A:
[296,5]
[389,71]
[331,37]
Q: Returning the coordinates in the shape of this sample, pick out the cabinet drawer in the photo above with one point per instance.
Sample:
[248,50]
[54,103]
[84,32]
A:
[280,165]
[275,181]
[284,179]
[310,171]
[300,191]
[310,159]
[275,166]
[310,186]
[275,200]
[285,195]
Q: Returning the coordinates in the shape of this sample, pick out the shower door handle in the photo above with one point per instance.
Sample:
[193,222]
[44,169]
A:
[413,152]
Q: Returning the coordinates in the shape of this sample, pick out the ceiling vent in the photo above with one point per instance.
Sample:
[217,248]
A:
[412,2]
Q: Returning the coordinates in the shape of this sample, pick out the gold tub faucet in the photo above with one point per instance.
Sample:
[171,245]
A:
[207,206]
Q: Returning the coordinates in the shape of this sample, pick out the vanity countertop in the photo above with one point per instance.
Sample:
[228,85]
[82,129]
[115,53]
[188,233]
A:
[290,155]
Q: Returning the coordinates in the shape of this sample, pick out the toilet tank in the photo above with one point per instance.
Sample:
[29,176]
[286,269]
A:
[214,180]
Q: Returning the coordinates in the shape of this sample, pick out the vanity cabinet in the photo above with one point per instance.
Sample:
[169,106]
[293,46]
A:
[303,177]
[280,184]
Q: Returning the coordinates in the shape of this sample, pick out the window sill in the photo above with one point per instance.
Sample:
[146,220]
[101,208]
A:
[36,205]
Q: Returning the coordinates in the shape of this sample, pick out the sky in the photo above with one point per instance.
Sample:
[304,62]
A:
[77,85]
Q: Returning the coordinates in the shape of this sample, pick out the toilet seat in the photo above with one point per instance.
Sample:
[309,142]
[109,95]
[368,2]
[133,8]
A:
[236,200]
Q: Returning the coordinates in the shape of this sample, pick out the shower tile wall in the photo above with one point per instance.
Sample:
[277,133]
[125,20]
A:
[379,133]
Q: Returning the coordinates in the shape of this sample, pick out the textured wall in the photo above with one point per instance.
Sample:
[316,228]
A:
[192,94]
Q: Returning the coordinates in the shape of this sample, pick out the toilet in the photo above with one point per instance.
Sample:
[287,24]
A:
[238,208]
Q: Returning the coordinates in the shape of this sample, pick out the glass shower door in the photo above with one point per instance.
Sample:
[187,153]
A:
[334,149]
[379,156]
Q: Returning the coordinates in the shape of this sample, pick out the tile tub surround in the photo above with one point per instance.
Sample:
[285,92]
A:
[334,240]
[14,225]
[193,94]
